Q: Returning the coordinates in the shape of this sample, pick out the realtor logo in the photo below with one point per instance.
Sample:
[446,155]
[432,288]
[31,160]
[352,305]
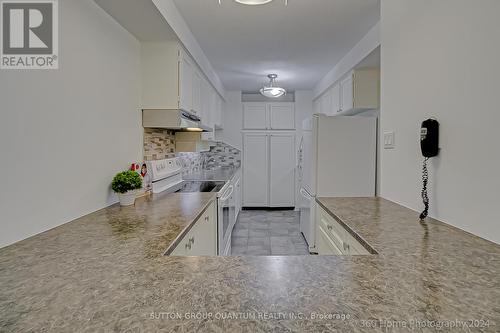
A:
[29,34]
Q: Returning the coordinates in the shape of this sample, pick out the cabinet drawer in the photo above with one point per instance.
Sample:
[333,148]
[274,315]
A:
[335,231]
[330,229]
[201,240]
[326,244]
[353,246]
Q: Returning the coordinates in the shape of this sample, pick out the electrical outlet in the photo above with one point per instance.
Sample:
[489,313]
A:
[389,140]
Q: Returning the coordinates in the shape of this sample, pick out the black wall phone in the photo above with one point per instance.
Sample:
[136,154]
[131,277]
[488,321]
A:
[429,144]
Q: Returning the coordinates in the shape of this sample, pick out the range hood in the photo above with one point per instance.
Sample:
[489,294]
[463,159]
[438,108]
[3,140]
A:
[177,120]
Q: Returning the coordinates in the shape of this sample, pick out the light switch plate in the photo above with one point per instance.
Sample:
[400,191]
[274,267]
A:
[389,140]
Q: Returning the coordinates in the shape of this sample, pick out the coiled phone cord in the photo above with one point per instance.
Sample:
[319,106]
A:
[425,197]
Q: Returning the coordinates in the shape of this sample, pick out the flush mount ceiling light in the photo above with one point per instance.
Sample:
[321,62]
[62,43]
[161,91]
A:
[272,90]
[254,2]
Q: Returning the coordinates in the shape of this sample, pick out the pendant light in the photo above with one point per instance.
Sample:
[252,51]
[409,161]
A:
[272,90]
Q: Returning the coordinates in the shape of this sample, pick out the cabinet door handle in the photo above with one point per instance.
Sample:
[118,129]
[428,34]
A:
[329,227]
[207,218]
[191,240]
[188,246]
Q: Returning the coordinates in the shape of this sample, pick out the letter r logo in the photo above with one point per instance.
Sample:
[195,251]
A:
[27,27]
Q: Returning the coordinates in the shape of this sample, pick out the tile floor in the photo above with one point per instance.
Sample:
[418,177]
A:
[264,233]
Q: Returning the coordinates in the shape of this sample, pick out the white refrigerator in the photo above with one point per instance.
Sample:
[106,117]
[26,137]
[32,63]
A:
[337,158]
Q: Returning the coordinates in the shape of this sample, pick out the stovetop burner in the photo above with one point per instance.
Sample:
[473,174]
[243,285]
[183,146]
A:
[200,186]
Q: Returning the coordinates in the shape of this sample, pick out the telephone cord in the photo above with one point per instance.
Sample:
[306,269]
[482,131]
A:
[425,197]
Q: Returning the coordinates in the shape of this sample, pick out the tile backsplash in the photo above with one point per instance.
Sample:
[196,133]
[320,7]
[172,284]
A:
[159,144]
[220,155]
[223,154]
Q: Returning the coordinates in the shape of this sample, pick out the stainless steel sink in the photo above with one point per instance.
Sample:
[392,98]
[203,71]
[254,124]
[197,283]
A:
[200,186]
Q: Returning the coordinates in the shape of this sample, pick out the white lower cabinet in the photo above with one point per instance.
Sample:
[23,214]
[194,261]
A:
[269,169]
[325,245]
[333,239]
[201,240]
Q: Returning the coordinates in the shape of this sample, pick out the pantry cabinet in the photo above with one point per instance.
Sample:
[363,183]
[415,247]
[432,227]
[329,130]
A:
[282,170]
[268,116]
[269,169]
[255,169]
[201,240]
[255,116]
[281,116]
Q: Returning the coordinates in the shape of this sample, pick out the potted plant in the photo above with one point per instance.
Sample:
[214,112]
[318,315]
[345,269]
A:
[125,184]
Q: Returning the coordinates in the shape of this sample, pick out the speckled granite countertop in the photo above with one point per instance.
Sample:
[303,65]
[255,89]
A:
[105,272]
[221,174]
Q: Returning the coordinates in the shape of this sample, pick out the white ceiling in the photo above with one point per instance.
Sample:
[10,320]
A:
[300,42]
[141,18]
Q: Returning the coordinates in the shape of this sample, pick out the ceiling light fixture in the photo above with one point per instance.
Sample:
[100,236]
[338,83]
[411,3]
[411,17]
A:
[272,90]
[254,2]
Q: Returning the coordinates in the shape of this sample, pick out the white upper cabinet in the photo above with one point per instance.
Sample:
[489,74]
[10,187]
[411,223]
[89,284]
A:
[172,80]
[366,87]
[205,111]
[326,103]
[160,76]
[317,106]
[347,93]
[268,116]
[219,111]
[185,90]
[336,98]
[255,116]
[358,91]
[282,116]
[196,105]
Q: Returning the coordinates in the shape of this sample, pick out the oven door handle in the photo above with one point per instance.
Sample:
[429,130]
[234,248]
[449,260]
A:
[230,190]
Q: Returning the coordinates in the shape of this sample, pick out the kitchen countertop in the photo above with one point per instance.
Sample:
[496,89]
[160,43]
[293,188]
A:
[105,272]
[217,174]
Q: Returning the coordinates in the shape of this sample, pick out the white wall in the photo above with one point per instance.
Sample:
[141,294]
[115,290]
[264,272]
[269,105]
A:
[233,119]
[441,58]
[65,133]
